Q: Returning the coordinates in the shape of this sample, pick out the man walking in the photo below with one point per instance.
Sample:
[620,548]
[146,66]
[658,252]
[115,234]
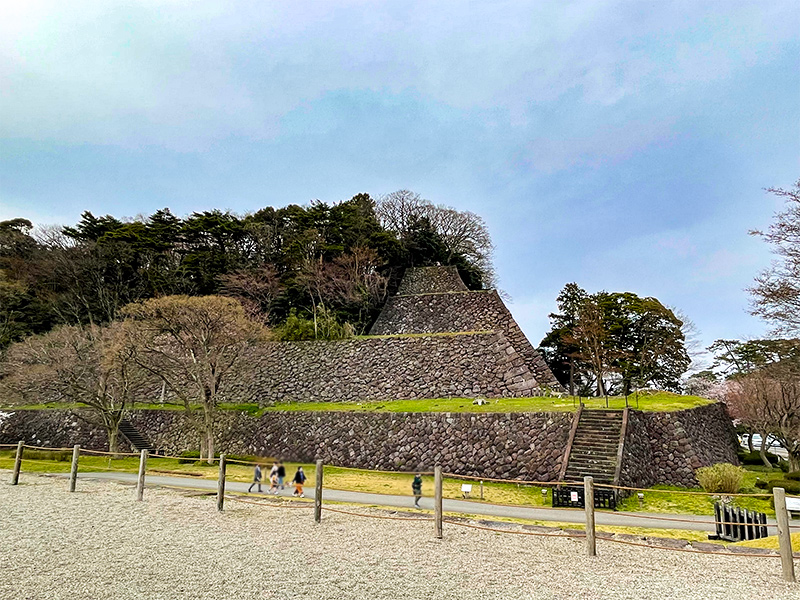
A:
[281,474]
[416,487]
[256,479]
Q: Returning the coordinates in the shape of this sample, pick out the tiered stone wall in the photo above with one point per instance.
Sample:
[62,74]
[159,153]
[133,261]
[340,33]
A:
[660,447]
[667,447]
[390,368]
[459,312]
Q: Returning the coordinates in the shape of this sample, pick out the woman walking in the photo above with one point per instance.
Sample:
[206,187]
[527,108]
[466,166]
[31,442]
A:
[299,480]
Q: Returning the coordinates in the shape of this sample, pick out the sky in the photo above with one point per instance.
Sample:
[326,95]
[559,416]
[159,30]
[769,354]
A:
[624,146]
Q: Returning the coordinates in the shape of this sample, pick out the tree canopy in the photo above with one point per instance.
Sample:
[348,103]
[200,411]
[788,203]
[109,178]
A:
[614,341]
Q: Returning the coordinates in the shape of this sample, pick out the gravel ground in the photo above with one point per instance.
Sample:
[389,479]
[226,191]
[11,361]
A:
[99,543]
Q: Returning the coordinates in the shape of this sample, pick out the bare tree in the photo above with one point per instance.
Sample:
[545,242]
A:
[353,279]
[776,293]
[256,289]
[91,367]
[463,233]
[767,400]
[590,336]
[399,210]
[193,346]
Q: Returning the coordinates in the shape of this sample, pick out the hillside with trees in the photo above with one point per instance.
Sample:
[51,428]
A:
[315,271]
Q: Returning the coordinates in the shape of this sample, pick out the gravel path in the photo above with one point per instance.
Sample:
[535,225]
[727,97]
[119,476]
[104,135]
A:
[99,543]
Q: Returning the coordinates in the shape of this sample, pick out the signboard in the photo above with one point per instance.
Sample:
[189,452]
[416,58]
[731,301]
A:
[792,503]
[573,496]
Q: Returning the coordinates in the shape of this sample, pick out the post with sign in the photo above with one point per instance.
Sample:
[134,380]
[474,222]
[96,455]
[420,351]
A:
[784,537]
[437,500]
[588,501]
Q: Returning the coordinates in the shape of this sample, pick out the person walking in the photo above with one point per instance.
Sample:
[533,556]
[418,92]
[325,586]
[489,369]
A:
[299,480]
[416,487]
[256,479]
[281,474]
[273,478]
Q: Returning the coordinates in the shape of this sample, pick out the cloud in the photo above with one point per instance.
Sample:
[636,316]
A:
[575,81]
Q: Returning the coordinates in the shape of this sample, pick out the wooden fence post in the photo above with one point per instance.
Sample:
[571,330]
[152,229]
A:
[318,493]
[17,463]
[784,534]
[481,489]
[223,464]
[588,502]
[73,472]
[142,469]
[437,500]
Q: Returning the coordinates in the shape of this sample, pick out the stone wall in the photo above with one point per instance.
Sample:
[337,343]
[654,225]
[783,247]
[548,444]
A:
[667,447]
[54,429]
[388,368]
[637,458]
[517,445]
[460,312]
[661,448]
[429,280]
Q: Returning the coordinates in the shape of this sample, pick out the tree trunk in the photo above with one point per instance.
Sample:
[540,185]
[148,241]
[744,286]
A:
[210,444]
[571,376]
[113,438]
[209,433]
[750,441]
[794,462]
[601,389]
[763,451]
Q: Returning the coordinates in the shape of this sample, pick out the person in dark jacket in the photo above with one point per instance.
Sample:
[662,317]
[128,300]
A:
[281,474]
[299,480]
[416,487]
[256,479]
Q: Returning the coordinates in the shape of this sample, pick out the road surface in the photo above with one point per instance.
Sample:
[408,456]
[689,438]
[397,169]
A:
[471,507]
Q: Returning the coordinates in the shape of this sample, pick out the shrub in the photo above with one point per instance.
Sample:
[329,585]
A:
[297,328]
[793,475]
[723,478]
[762,484]
[754,458]
[791,487]
[57,455]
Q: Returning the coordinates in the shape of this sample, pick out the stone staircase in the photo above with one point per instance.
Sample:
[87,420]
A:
[595,446]
[137,440]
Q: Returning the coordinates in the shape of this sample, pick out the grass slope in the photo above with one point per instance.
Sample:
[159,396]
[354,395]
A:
[660,401]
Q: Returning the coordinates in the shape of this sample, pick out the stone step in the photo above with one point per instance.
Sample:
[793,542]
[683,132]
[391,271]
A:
[590,417]
[595,443]
[586,437]
[593,460]
[605,464]
[598,477]
[588,469]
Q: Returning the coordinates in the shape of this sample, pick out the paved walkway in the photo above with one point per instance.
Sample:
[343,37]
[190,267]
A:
[471,507]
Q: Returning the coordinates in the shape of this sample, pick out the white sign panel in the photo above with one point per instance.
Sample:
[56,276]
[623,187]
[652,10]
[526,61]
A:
[573,496]
[792,503]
